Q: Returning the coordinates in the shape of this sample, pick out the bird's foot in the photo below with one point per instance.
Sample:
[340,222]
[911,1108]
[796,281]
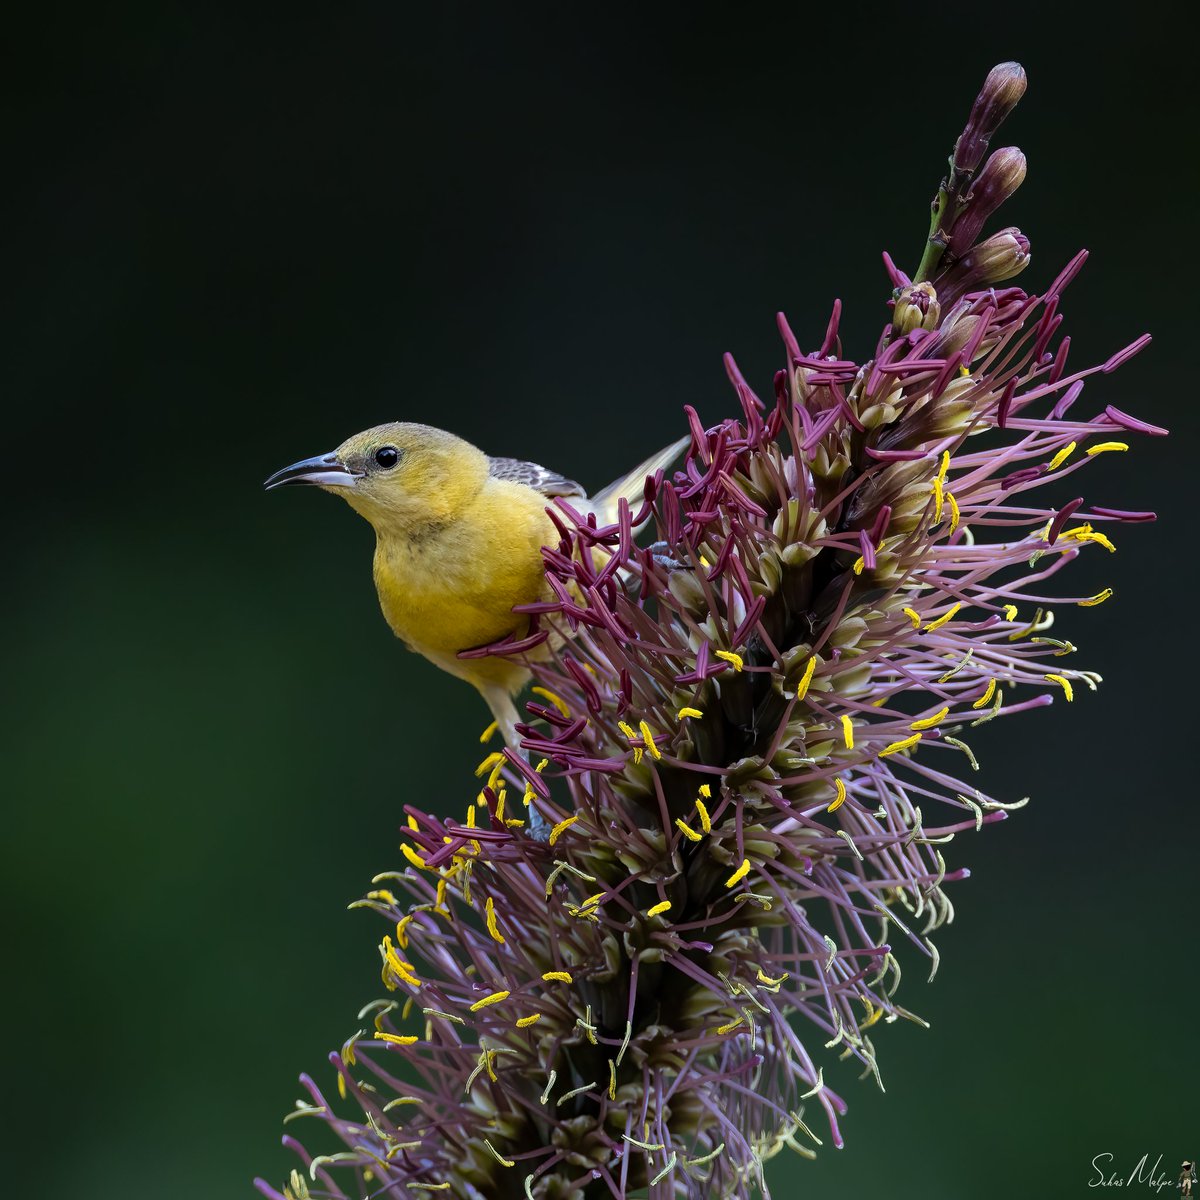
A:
[539,827]
[659,550]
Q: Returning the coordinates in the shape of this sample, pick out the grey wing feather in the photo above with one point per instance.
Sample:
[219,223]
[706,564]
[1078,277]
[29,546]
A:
[549,483]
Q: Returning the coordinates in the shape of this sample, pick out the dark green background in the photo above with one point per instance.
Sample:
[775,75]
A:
[233,240]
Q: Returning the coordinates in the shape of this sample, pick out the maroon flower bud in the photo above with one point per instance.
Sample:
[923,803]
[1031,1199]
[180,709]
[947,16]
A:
[999,257]
[1002,174]
[1003,88]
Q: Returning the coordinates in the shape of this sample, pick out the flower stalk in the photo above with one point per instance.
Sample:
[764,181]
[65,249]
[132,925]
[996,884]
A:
[751,738]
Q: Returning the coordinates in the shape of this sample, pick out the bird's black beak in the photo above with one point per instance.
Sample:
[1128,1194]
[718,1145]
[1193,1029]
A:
[322,471]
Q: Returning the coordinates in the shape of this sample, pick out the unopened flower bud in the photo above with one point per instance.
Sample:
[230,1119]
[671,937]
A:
[1002,174]
[916,307]
[1003,88]
[999,257]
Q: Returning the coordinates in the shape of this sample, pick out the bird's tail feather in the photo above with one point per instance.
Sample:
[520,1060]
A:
[630,486]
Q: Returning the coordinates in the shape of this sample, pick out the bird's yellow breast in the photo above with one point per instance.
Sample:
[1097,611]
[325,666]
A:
[453,587]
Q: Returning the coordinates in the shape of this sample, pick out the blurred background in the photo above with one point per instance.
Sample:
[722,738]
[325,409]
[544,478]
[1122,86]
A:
[232,240]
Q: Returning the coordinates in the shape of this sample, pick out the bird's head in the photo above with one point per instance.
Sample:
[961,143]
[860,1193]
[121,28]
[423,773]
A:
[399,476]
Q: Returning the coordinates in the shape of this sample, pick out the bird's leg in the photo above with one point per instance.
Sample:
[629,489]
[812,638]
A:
[504,711]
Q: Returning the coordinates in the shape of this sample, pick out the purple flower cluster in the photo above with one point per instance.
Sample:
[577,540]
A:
[750,736]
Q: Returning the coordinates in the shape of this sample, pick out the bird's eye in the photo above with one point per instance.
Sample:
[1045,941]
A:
[387,457]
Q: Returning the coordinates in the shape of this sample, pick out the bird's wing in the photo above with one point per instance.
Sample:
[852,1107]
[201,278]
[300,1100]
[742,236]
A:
[549,483]
[631,485]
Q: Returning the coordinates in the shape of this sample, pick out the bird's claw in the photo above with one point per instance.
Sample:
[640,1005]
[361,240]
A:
[539,827]
[659,551]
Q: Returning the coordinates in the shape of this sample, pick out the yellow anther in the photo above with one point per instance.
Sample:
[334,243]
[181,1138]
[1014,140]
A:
[513,822]
[341,1085]
[487,735]
[702,813]
[383,894]
[873,1014]
[494,998]
[529,794]
[706,790]
[558,977]
[806,678]
[1010,612]
[557,701]
[939,497]
[731,1026]
[768,980]
[489,916]
[1061,457]
[412,856]
[913,616]
[542,765]
[929,722]
[504,1162]
[687,831]
[492,761]
[487,1058]
[1064,683]
[439,899]
[690,712]
[734,660]
[986,698]
[412,823]
[948,615]
[402,930]
[661,907]
[1093,536]
[1105,447]
[1077,534]
[903,744]
[739,874]
[612,1080]
[500,804]
[397,966]
[859,563]
[532,1019]
[955,515]
[561,828]
[397,1039]
[945,466]
[840,798]
[632,734]
[648,739]
[471,817]
[1098,598]
[847,731]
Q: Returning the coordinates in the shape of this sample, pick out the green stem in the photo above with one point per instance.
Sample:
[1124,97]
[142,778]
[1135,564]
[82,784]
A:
[951,200]
[935,243]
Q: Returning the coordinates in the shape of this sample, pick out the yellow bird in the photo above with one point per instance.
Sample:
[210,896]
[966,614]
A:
[458,540]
